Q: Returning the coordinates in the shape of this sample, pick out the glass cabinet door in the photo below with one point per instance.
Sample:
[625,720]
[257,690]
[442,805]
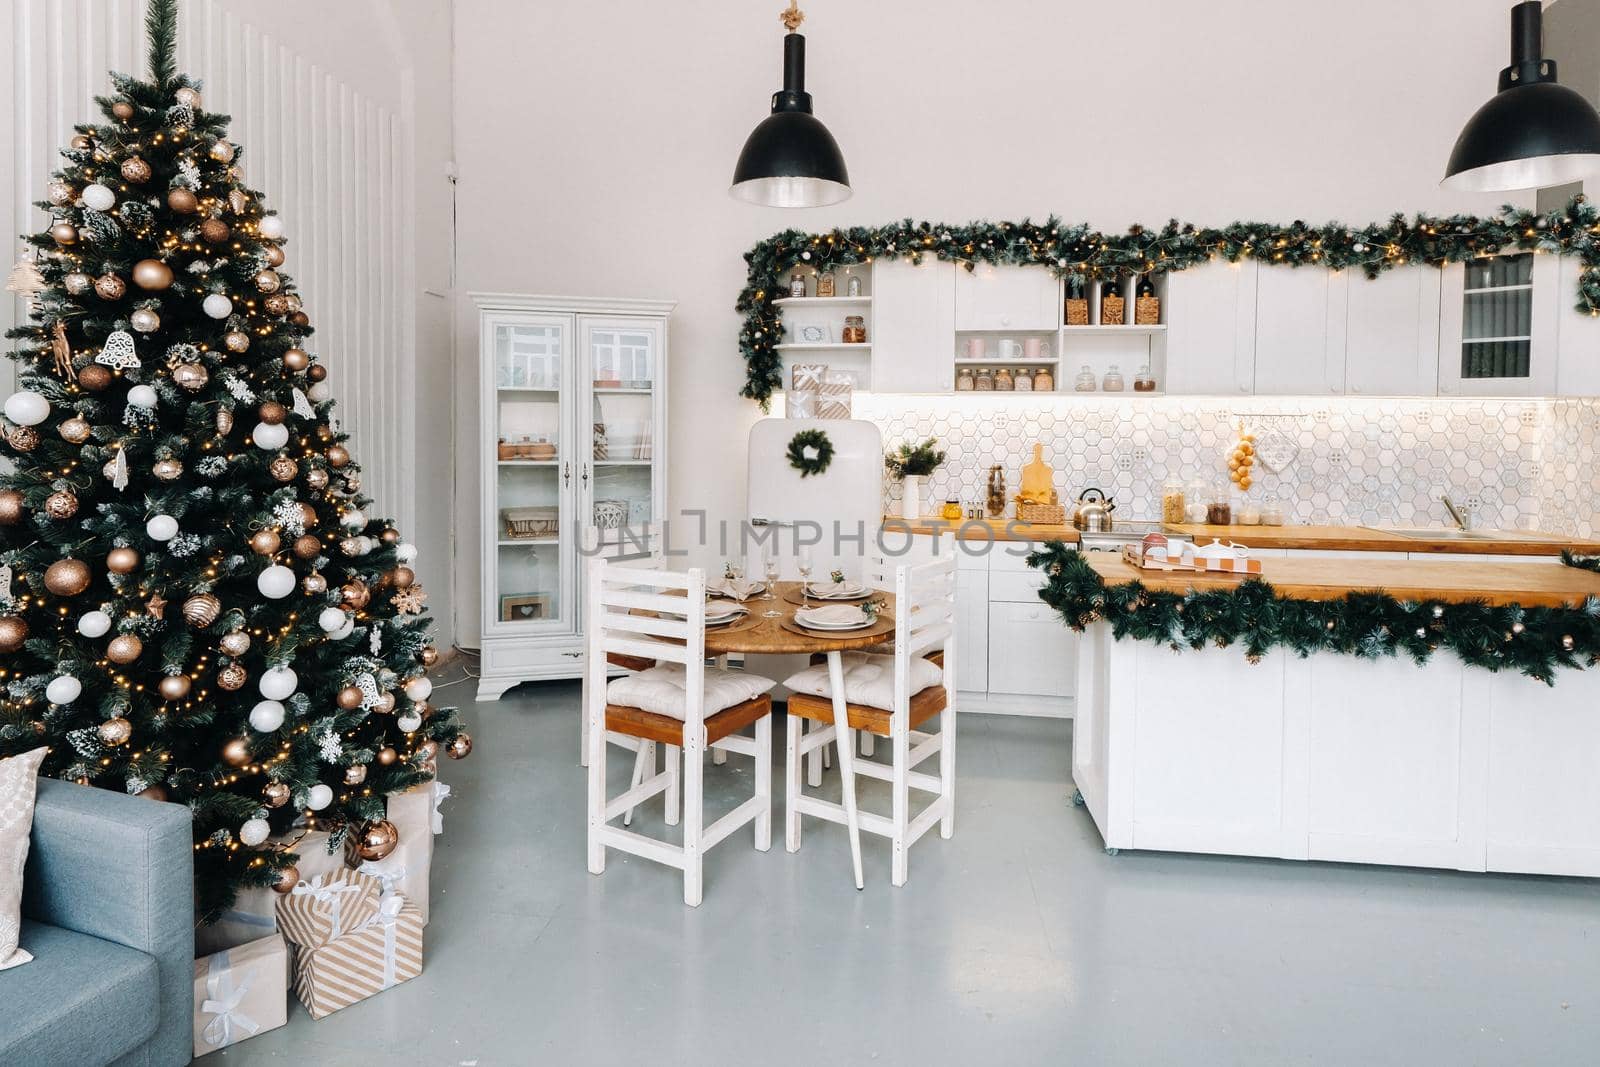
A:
[533,473]
[623,363]
[1498,327]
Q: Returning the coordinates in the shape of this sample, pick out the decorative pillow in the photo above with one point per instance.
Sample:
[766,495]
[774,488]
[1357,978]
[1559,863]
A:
[19,778]
[868,679]
[663,689]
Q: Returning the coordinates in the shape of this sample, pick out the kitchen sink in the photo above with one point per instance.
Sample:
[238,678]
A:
[1451,533]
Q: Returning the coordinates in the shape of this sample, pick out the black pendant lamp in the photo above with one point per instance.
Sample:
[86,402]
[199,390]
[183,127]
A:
[791,160]
[1533,132]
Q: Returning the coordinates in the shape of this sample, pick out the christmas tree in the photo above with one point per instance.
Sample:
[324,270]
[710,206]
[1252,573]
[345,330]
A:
[194,605]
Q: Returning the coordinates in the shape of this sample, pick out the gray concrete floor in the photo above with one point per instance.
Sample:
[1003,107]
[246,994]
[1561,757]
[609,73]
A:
[1019,941]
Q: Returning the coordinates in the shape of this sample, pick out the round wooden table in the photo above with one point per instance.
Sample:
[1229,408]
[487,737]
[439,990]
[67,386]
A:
[769,636]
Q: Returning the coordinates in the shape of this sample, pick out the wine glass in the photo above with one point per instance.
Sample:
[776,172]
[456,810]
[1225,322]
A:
[802,563]
[771,567]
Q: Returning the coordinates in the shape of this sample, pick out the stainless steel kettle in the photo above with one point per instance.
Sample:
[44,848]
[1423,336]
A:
[1093,513]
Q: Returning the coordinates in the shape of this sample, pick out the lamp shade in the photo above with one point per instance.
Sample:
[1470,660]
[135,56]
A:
[1532,132]
[790,159]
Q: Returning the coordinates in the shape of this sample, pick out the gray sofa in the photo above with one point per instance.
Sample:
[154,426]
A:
[108,913]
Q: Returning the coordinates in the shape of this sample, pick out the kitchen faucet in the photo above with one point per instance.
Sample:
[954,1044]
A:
[1455,513]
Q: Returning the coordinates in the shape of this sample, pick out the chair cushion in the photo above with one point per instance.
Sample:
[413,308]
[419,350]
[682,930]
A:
[663,690]
[81,1000]
[868,679]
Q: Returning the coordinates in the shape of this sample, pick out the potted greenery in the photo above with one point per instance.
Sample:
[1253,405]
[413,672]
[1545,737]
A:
[910,464]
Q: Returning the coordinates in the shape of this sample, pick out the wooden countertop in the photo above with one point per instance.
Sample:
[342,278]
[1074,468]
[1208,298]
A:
[981,529]
[1450,581]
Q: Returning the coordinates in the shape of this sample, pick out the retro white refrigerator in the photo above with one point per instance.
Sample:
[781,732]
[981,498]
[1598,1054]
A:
[839,509]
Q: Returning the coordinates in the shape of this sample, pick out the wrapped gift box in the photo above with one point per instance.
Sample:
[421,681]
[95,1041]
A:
[317,911]
[834,395]
[415,814]
[254,913]
[383,952]
[805,382]
[239,993]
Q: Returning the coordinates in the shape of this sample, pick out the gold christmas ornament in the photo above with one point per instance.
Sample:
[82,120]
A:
[348,698]
[11,509]
[67,577]
[268,281]
[167,469]
[145,321]
[174,687]
[308,515]
[272,412]
[403,577]
[338,455]
[288,878]
[13,632]
[60,193]
[224,421]
[350,546]
[116,731]
[232,677]
[136,170]
[238,202]
[355,774]
[22,438]
[385,704]
[276,794]
[300,318]
[387,756]
[152,274]
[156,606]
[315,584]
[423,709]
[460,747]
[307,546]
[188,97]
[428,750]
[390,535]
[296,359]
[237,341]
[264,542]
[122,110]
[274,256]
[81,142]
[377,840]
[429,656]
[276,304]
[75,430]
[124,648]
[110,287]
[77,282]
[222,152]
[61,505]
[95,377]
[64,233]
[317,478]
[356,594]
[215,231]
[191,376]
[236,753]
[235,642]
[183,201]
[201,610]
[122,560]
[283,469]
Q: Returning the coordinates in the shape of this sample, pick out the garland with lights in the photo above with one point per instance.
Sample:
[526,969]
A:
[1534,641]
[810,452]
[1075,251]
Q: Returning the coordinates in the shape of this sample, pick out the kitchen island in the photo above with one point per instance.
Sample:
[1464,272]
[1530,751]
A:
[1336,756]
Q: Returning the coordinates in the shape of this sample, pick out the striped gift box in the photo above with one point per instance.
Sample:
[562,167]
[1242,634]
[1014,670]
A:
[384,952]
[329,905]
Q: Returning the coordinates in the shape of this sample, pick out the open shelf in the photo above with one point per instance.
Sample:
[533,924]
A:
[606,390]
[824,346]
[1024,362]
[1157,328]
[821,301]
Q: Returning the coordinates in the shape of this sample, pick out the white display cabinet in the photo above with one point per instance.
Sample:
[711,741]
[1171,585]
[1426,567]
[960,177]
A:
[573,401]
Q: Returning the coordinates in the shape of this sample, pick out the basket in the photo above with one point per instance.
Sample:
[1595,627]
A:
[1147,311]
[524,523]
[610,514]
[1042,514]
[1112,310]
[1077,311]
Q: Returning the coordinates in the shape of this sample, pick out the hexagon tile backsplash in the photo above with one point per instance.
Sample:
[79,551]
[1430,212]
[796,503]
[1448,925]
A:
[1520,464]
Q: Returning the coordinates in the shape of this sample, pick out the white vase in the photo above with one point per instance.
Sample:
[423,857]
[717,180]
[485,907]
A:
[911,500]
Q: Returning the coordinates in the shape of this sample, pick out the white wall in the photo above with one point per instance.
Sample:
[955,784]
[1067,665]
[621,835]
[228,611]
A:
[595,143]
[343,112]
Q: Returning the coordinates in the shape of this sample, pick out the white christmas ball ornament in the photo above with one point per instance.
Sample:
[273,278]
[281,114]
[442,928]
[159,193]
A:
[353,519]
[266,716]
[27,409]
[318,797]
[408,721]
[254,832]
[162,528]
[344,631]
[217,306]
[276,582]
[278,683]
[331,620]
[419,688]
[99,197]
[271,227]
[63,689]
[405,552]
[319,393]
[94,624]
[270,436]
[142,396]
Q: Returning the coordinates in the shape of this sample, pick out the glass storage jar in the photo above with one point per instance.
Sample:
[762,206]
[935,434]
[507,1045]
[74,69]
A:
[855,330]
[983,381]
[1023,381]
[1044,381]
[1003,382]
[1173,509]
[1219,509]
[1194,500]
[1271,511]
[1113,382]
[1085,382]
[1144,381]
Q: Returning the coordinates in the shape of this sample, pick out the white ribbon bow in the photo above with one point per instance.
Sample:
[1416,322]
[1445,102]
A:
[388,874]
[222,1000]
[325,894]
[389,906]
[441,793]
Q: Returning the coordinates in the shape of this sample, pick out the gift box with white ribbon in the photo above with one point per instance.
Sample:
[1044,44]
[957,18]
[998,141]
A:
[384,951]
[240,992]
[327,907]
[415,815]
[254,911]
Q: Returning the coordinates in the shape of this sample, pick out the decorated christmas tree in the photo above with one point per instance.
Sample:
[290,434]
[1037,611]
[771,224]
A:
[194,605]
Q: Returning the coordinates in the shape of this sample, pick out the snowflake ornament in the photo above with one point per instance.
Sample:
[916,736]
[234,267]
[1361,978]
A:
[375,642]
[238,388]
[410,600]
[328,746]
[185,544]
[290,516]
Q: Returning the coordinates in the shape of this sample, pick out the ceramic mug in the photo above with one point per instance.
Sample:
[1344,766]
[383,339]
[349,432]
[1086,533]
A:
[1033,348]
[1010,349]
[977,347]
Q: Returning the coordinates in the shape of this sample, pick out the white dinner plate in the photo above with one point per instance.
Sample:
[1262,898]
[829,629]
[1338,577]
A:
[834,617]
[837,590]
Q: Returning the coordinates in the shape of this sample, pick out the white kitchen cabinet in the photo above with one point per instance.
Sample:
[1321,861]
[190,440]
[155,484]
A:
[1498,325]
[972,629]
[1300,331]
[573,395]
[1578,338]
[1392,332]
[1211,330]
[914,325]
[993,297]
[1031,651]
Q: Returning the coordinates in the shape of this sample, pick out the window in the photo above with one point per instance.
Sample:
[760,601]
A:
[1497,317]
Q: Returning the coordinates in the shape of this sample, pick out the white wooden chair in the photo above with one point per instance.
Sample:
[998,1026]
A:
[888,695]
[680,703]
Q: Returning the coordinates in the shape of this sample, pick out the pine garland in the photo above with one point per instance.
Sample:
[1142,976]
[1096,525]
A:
[1534,641]
[1075,251]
